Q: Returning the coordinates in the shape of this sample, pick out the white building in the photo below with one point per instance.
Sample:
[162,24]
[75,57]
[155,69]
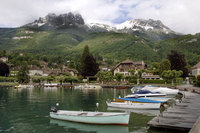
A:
[4,59]
[196,69]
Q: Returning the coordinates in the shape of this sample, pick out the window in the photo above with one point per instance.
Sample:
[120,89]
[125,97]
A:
[121,70]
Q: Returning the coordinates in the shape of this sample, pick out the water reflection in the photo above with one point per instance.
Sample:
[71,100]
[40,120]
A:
[85,128]
[27,110]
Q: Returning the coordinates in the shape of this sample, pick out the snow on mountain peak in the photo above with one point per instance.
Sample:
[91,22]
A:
[145,25]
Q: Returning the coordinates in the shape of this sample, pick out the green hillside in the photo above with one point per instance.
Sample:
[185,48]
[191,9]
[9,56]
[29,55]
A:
[69,44]
[118,46]
[37,41]
[186,44]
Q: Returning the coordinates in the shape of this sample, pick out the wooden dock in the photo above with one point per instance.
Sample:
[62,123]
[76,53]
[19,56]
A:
[181,116]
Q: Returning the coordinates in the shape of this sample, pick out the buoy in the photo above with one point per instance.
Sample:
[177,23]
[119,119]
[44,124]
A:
[97,104]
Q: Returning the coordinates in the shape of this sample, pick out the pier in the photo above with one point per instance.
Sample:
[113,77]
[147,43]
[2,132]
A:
[181,116]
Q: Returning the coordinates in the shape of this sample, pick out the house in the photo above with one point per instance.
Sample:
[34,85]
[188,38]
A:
[35,70]
[4,59]
[139,65]
[105,68]
[196,69]
[125,66]
[73,72]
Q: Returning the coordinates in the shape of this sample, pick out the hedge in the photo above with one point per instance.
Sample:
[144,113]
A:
[148,81]
[7,79]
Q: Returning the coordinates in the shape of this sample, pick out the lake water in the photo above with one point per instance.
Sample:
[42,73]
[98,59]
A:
[27,111]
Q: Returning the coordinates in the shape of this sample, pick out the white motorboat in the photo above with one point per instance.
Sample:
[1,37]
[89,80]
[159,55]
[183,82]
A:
[131,105]
[144,93]
[163,90]
[91,117]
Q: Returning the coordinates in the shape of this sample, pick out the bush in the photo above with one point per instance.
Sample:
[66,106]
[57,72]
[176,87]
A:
[148,81]
[7,79]
[179,80]
[197,83]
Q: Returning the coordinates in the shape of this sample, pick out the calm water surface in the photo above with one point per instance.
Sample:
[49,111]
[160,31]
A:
[27,111]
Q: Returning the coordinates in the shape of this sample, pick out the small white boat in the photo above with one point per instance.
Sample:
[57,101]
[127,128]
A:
[87,128]
[50,85]
[88,86]
[91,117]
[131,105]
[24,86]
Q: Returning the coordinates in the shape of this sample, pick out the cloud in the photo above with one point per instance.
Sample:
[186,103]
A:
[180,15]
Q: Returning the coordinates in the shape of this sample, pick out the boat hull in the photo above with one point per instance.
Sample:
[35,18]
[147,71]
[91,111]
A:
[130,105]
[92,117]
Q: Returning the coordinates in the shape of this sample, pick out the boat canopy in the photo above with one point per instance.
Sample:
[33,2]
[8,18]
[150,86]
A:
[140,100]
[145,92]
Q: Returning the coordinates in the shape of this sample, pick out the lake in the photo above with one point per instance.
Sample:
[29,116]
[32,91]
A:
[27,111]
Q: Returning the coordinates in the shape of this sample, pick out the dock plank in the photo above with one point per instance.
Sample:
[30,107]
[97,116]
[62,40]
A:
[181,116]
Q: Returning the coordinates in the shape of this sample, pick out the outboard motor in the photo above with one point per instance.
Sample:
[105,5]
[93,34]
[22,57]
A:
[54,109]
[108,100]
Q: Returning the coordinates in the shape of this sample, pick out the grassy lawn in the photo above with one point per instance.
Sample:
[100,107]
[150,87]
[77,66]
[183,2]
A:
[8,83]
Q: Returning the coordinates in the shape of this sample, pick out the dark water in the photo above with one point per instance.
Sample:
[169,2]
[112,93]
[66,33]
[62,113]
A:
[27,111]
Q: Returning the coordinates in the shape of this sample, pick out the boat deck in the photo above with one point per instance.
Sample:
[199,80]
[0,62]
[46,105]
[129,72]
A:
[85,113]
[181,116]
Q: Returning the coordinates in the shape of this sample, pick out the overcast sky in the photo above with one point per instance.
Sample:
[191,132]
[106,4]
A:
[180,15]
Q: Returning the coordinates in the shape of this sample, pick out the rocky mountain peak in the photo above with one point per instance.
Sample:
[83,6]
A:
[53,21]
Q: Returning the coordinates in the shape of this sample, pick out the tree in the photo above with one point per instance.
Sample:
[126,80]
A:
[131,71]
[71,65]
[4,69]
[70,79]
[104,76]
[119,77]
[154,67]
[164,65]
[178,62]
[61,79]
[100,75]
[171,75]
[22,75]
[50,79]
[131,78]
[90,66]
[85,53]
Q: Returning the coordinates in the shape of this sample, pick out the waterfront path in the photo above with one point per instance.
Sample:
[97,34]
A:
[180,116]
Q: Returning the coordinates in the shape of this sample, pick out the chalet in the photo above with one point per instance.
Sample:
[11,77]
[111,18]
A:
[125,66]
[196,69]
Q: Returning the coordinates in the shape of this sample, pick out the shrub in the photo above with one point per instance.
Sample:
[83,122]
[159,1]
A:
[148,81]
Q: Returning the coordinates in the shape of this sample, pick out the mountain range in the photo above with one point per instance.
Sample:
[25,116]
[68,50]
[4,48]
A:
[65,35]
[150,29]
